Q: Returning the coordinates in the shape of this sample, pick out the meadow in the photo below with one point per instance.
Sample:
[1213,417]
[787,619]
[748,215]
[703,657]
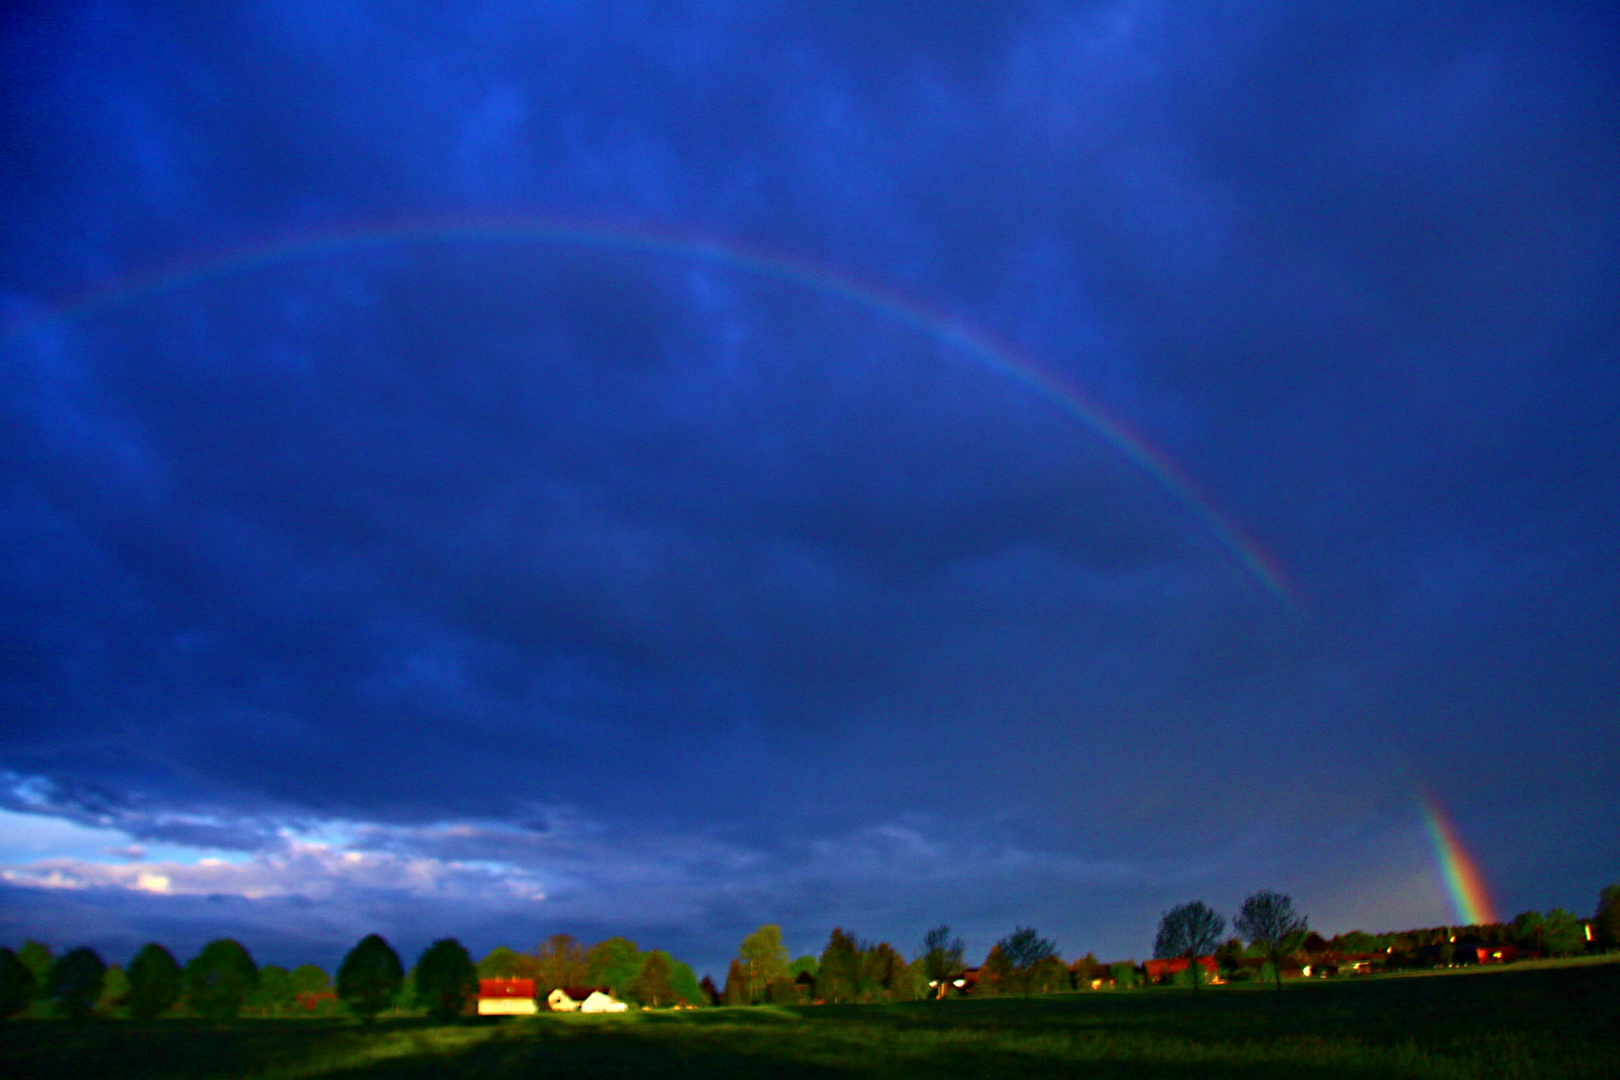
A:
[1528,1020]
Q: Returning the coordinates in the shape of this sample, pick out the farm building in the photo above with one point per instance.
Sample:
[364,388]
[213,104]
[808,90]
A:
[506,997]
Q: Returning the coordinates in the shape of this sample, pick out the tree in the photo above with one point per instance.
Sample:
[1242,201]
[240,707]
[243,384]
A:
[1267,919]
[942,959]
[996,975]
[445,979]
[1190,930]
[684,982]
[1123,973]
[737,990]
[275,991]
[16,984]
[651,986]
[219,979]
[709,991]
[1563,933]
[1527,930]
[885,973]
[36,957]
[1606,923]
[612,963]
[155,982]
[1050,975]
[369,977]
[1088,970]
[559,961]
[764,958]
[838,977]
[76,981]
[1024,950]
[503,963]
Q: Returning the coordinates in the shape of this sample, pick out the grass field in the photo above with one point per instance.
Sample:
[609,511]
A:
[1523,1021]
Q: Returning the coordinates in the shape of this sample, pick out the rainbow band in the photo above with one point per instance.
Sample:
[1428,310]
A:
[996,354]
[1469,898]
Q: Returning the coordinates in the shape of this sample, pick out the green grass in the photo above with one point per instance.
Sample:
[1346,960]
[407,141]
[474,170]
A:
[1521,1021]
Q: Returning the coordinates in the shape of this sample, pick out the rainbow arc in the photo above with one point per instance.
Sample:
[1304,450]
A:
[998,355]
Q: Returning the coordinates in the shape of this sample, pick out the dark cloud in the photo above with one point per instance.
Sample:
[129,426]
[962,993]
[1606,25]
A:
[791,608]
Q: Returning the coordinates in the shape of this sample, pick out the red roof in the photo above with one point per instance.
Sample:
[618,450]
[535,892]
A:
[506,988]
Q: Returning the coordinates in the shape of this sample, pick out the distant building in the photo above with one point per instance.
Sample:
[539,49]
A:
[591,999]
[1159,970]
[506,997]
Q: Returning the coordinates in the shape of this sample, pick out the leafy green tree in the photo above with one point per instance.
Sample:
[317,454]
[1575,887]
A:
[503,963]
[652,985]
[613,963]
[1124,974]
[76,981]
[114,990]
[1268,919]
[838,975]
[369,977]
[275,990]
[219,979]
[804,965]
[38,959]
[1563,932]
[559,961]
[684,982]
[764,958]
[941,956]
[155,982]
[1606,923]
[1024,950]
[445,979]
[309,979]
[16,984]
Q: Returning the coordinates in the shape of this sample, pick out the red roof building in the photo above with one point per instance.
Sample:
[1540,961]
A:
[506,997]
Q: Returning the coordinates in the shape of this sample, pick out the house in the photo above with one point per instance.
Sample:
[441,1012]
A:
[506,997]
[591,999]
[1159,970]
[601,1001]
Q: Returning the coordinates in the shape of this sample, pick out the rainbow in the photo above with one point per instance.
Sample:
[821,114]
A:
[998,355]
[1470,900]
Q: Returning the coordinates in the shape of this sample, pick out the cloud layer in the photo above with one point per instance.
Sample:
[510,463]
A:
[411,581]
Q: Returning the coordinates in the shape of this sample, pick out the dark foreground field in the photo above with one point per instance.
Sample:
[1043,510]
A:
[1553,1022]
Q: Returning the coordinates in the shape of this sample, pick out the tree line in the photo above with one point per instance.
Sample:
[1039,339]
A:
[1275,932]
[223,980]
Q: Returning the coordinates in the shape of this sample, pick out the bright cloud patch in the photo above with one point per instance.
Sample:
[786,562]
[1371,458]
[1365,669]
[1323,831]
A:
[314,871]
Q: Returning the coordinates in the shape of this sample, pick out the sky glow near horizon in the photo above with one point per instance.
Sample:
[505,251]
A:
[386,571]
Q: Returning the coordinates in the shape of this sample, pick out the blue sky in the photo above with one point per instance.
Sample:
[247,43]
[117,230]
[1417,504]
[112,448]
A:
[506,584]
